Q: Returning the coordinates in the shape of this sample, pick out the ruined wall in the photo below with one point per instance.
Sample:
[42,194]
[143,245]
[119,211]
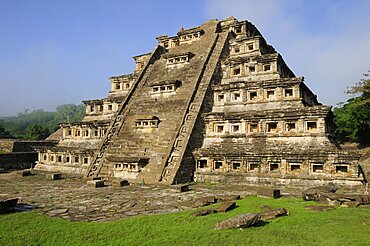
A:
[16,161]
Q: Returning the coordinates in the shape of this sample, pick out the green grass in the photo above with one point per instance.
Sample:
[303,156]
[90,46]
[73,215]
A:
[341,226]
[3,151]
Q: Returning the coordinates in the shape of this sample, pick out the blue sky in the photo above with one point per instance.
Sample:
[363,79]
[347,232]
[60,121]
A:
[56,52]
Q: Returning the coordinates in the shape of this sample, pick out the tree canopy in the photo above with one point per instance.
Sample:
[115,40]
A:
[353,117]
[39,124]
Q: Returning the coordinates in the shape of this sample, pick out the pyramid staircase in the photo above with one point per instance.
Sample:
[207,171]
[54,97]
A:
[171,168]
[95,168]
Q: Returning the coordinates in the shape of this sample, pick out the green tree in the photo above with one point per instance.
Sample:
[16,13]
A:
[19,125]
[4,133]
[70,113]
[37,132]
[353,117]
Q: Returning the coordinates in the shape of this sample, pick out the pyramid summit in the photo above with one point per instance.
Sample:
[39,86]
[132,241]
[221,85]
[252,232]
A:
[215,103]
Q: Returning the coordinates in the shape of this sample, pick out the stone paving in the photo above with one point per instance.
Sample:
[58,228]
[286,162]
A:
[73,200]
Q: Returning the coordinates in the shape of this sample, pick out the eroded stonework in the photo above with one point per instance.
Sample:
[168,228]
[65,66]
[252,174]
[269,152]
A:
[213,103]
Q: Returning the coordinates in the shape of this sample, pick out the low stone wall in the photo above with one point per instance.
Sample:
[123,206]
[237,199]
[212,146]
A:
[354,184]
[29,145]
[16,161]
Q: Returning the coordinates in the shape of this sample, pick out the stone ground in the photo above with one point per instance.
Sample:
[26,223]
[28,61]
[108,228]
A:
[71,199]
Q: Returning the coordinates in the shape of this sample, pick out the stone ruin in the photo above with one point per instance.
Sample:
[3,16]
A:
[214,103]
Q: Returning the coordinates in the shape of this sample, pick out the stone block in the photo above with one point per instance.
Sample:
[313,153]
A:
[225,198]
[226,206]
[180,187]
[267,192]
[56,176]
[95,183]
[273,213]
[120,182]
[241,221]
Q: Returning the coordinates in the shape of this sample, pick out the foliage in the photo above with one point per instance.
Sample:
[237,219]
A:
[4,133]
[37,132]
[39,123]
[69,113]
[353,117]
[341,226]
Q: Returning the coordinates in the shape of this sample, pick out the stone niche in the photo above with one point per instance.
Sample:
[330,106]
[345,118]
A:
[187,36]
[84,131]
[164,88]
[174,60]
[128,167]
[147,124]
[121,85]
[168,42]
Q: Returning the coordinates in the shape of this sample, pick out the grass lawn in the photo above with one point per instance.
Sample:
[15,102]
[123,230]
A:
[341,226]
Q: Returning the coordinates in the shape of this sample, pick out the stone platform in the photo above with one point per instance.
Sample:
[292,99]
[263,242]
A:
[72,199]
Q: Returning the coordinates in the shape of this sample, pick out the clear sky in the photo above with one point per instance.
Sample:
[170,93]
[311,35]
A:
[55,52]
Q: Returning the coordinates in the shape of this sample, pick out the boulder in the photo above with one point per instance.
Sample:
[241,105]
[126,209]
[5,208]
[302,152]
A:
[241,221]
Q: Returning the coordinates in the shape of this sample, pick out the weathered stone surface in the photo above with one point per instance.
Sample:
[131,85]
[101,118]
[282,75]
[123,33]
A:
[224,198]
[199,202]
[107,204]
[58,211]
[226,206]
[327,195]
[241,221]
[312,194]
[95,183]
[274,213]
